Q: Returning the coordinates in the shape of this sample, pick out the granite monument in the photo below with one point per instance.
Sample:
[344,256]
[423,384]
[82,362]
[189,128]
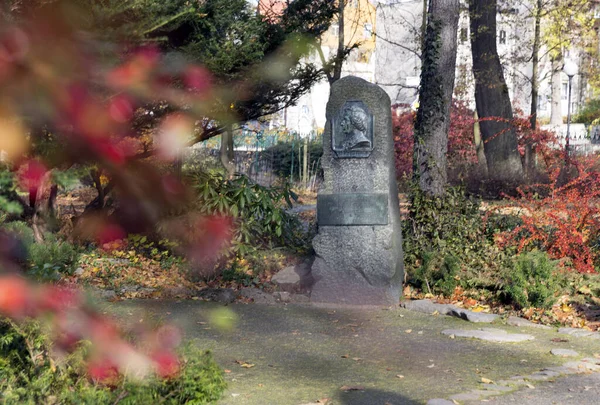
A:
[359,242]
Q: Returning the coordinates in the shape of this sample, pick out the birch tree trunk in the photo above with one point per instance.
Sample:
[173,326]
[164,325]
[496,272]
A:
[556,117]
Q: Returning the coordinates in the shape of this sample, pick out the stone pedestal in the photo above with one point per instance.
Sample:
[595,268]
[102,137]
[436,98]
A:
[359,242]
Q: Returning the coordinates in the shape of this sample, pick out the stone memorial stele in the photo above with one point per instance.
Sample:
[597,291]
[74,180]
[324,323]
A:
[359,242]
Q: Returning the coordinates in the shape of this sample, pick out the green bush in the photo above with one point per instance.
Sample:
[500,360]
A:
[283,154]
[442,279]
[532,281]
[48,260]
[589,114]
[259,212]
[8,191]
[28,375]
[445,241]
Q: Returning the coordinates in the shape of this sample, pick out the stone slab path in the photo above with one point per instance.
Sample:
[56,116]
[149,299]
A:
[294,354]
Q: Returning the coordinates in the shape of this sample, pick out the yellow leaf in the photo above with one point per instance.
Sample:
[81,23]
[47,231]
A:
[486,380]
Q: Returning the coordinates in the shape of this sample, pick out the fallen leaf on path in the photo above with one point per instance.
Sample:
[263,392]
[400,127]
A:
[431,366]
[244,364]
[486,380]
[356,358]
[345,356]
[227,371]
[408,331]
[400,376]
[352,388]
[559,340]
[530,386]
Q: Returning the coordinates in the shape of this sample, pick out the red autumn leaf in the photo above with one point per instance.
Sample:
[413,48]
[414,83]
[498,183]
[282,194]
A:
[197,78]
[103,371]
[166,363]
[121,108]
[14,296]
[110,233]
[31,174]
[14,45]
[53,298]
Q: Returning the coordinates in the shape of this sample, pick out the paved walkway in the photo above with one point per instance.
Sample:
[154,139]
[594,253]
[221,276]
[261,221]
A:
[293,354]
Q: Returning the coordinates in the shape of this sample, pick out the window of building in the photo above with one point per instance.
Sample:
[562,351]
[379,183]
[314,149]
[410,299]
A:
[368,31]
[305,109]
[502,37]
[565,91]
[464,34]
[335,29]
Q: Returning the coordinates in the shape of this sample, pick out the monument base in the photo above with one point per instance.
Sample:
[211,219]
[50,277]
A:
[367,276]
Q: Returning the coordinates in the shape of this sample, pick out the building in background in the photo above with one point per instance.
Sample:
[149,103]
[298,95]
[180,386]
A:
[388,33]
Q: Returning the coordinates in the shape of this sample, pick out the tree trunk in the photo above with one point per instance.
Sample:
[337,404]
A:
[491,96]
[227,155]
[340,54]
[535,58]
[435,97]
[556,117]
[481,162]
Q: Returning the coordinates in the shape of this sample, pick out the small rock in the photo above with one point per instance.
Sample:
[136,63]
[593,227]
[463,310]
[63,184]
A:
[79,271]
[256,295]
[222,295]
[499,336]
[129,289]
[521,322]
[562,370]
[439,401]
[283,296]
[427,307]
[174,292]
[294,279]
[582,366]
[476,317]
[286,276]
[579,332]
[564,352]
[107,294]
[299,298]
[543,375]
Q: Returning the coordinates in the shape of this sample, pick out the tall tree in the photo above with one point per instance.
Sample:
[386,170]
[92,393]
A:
[491,95]
[435,97]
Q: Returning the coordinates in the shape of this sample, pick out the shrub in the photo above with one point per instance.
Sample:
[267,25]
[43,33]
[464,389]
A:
[445,240]
[532,281]
[442,279]
[259,212]
[48,260]
[461,148]
[589,114]
[29,375]
[285,155]
[560,220]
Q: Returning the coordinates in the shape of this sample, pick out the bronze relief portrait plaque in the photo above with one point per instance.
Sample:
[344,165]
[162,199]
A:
[352,131]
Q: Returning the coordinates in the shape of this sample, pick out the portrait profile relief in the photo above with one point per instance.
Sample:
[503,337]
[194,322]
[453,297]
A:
[352,131]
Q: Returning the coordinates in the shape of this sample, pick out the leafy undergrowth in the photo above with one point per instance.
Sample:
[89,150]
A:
[130,275]
[575,311]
